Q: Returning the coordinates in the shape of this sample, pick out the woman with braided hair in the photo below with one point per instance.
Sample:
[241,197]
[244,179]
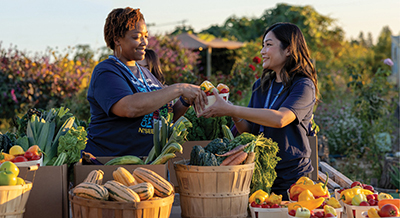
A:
[124,97]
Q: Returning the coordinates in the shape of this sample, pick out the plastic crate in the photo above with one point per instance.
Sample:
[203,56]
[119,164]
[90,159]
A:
[30,163]
[358,210]
[268,212]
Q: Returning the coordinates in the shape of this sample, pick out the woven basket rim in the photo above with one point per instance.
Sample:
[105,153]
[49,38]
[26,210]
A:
[122,205]
[27,185]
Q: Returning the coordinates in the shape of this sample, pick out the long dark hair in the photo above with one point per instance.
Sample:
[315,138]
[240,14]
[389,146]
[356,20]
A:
[154,65]
[297,64]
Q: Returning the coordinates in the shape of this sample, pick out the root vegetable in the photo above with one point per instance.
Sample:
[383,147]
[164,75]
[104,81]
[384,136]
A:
[234,150]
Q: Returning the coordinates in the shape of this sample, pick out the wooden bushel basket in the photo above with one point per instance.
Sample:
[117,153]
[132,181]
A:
[213,191]
[88,208]
[13,200]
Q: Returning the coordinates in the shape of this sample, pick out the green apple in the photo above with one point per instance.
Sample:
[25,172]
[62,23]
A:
[8,178]
[9,166]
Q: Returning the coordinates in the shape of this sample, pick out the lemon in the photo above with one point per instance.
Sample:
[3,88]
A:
[16,150]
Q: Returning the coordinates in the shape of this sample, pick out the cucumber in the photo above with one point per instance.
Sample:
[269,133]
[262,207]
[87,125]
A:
[125,160]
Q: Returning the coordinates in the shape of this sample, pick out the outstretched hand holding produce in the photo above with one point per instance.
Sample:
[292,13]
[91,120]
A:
[212,93]
[216,106]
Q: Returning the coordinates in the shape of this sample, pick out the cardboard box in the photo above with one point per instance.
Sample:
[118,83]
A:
[82,171]
[49,194]
[187,149]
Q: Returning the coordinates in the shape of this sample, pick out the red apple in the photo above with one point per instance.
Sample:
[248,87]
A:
[389,210]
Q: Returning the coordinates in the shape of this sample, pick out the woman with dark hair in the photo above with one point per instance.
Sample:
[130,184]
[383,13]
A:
[151,61]
[124,97]
[281,104]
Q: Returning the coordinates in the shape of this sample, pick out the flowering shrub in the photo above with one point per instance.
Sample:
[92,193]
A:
[179,64]
[38,82]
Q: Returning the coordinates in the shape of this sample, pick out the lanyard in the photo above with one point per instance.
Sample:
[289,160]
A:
[273,101]
[145,85]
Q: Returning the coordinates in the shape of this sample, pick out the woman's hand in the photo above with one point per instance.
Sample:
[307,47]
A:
[218,109]
[193,95]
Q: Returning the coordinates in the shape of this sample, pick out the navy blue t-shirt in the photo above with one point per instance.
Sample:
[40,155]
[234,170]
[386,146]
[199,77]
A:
[108,134]
[294,148]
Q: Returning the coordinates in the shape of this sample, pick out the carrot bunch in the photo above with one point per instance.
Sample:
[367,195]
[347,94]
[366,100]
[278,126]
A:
[239,154]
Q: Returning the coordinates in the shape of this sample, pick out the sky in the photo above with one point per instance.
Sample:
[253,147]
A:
[35,25]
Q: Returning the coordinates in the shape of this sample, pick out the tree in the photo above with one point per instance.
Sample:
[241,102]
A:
[383,47]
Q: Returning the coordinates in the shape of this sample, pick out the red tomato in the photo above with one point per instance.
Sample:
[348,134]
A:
[28,155]
[253,204]
[319,214]
[389,210]
[224,91]
[275,206]
[209,93]
[292,212]
[265,206]
[371,202]
[329,215]
[20,159]
[35,157]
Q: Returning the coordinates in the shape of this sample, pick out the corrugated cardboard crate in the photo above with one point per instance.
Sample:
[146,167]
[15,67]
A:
[49,194]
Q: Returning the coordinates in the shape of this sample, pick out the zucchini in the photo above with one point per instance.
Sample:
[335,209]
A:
[125,160]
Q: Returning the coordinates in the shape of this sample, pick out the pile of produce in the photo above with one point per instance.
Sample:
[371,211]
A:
[17,154]
[205,128]
[55,133]
[140,185]
[305,189]
[243,149]
[261,199]
[167,139]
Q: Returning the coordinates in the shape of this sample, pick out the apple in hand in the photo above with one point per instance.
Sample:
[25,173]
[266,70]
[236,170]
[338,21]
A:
[8,178]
